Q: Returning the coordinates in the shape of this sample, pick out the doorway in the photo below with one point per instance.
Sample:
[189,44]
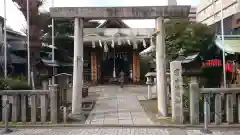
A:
[120,61]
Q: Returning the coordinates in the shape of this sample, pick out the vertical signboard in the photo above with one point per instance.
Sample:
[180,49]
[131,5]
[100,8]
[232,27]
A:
[176,92]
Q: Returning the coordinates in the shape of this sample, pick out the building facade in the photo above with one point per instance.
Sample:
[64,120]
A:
[209,12]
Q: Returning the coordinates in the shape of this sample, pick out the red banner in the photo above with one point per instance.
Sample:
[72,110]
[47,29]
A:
[217,63]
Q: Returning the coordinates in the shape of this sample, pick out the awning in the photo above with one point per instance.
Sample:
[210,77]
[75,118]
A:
[231,43]
[148,50]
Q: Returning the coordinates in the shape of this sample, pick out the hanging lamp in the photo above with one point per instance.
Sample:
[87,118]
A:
[100,43]
[129,43]
[112,45]
[93,44]
[105,47]
[144,43]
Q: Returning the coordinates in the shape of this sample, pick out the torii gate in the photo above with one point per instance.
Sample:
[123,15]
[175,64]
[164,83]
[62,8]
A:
[147,12]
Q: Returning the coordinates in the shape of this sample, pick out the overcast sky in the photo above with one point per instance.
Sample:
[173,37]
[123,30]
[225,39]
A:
[16,20]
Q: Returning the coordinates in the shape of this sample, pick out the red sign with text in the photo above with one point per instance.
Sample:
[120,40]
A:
[216,63]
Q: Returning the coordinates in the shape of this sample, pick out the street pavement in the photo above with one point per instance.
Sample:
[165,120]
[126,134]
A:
[117,131]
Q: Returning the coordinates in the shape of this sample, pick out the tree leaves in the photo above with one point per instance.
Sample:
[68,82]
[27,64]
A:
[189,36]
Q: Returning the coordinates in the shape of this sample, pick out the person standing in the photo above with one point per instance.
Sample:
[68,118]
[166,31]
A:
[121,78]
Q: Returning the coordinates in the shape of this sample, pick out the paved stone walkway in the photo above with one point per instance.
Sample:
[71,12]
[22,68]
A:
[116,131]
[118,106]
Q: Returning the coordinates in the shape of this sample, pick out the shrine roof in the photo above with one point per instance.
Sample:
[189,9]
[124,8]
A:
[115,22]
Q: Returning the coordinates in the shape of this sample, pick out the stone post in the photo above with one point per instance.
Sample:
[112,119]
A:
[161,69]
[176,92]
[33,108]
[44,108]
[77,69]
[53,103]
[149,83]
[15,108]
[194,95]
[24,102]
[218,109]
[229,108]
[4,99]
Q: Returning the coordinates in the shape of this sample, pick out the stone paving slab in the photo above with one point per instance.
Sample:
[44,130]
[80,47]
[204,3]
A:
[141,98]
[117,131]
[118,106]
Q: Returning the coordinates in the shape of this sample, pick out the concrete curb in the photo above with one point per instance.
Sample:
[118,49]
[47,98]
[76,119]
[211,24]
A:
[123,126]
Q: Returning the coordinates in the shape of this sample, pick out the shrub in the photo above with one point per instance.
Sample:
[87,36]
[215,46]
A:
[14,84]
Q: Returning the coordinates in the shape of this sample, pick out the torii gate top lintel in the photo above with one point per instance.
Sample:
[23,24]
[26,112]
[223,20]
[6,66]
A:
[146,12]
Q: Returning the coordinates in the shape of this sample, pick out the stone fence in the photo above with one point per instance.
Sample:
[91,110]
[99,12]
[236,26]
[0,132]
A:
[226,102]
[224,106]
[31,105]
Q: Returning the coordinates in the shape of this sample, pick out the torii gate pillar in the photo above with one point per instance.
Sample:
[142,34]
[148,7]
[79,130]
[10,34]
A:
[161,68]
[77,69]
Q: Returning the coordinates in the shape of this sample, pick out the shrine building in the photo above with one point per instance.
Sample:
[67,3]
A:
[111,48]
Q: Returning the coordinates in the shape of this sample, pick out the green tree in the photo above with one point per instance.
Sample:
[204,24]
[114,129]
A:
[190,37]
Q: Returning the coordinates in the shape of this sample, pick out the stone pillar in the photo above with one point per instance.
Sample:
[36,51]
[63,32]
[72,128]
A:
[54,108]
[229,108]
[44,108]
[24,101]
[33,108]
[4,99]
[15,100]
[78,67]
[161,69]
[218,109]
[194,95]
[176,91]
